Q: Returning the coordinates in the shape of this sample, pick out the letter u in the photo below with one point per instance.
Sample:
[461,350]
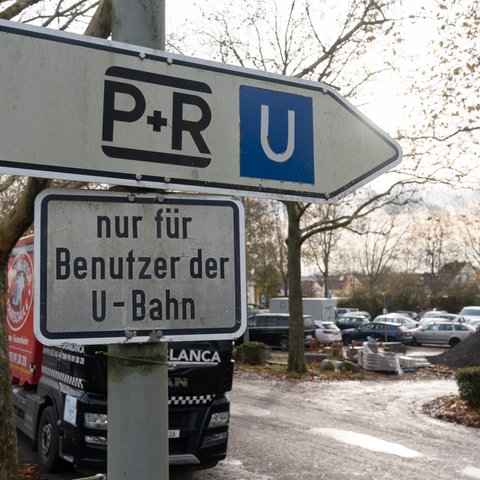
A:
[264,136]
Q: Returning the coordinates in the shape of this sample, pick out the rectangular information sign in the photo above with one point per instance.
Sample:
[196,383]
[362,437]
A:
[115,267]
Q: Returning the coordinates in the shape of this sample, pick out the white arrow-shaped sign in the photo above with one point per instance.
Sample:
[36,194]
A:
[74,107]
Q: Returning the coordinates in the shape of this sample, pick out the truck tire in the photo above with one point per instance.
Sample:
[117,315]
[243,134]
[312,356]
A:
[48,442]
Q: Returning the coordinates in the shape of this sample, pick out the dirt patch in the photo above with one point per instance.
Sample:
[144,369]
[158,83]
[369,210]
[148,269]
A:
[453,409]
[30,472]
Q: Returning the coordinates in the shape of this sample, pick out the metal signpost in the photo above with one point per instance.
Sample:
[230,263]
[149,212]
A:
[132,264]
[97,110]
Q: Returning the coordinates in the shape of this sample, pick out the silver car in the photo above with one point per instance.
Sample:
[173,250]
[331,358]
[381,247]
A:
[407,322]
[447,317]
[442,333]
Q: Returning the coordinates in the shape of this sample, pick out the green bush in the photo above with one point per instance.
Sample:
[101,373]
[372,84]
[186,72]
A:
[254,353]
[468,381]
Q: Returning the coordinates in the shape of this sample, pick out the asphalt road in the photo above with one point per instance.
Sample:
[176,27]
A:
[340,430]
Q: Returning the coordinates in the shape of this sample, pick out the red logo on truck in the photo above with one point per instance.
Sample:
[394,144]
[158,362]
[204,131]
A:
[20,291]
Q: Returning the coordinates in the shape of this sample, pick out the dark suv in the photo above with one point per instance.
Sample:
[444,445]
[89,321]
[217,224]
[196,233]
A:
[272,329]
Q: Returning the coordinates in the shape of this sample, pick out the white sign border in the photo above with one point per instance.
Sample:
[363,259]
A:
[141,336]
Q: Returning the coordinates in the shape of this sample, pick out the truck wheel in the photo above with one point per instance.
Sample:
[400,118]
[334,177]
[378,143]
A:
[48,442]
[283,344]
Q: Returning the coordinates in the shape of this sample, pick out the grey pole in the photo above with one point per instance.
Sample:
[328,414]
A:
[139,22]
[137,446]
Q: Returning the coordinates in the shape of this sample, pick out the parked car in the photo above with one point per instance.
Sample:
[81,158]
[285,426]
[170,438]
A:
[352,320]
[475,323]
[342,310]
[327,332]
[382,331]
[440,332]
[430,313]
[255,311]
[272,329]
[470,313]
[449,317]
[409,313]
[407,322]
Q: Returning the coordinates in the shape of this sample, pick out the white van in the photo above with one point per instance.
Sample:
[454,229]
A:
[470,313]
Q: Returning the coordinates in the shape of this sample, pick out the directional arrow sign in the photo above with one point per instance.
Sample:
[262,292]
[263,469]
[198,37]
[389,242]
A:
[74,107]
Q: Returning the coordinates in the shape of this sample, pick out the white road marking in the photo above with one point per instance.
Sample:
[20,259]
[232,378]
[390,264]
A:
[366,441]
[471,472]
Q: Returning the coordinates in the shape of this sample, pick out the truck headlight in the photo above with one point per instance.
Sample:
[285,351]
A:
[97,421]
[95,440]
[219,419]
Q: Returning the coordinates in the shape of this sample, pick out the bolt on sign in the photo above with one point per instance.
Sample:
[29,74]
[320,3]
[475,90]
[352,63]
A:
[76,107]
[115,267]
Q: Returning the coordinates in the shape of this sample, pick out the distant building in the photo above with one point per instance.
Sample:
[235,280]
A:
[451,276]
[461,273]
[311,287]
[338,286]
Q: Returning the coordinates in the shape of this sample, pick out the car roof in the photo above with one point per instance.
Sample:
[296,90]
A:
[270,314]
[387,323]
[442,321]
[354,314]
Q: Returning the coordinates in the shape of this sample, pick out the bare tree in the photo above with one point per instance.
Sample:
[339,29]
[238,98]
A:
[438,245]
[318,250]
[265,254]
[301,40]
[377,250]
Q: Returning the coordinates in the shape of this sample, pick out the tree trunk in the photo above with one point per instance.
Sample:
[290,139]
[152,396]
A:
[8,442]
[296,350]
[12,227]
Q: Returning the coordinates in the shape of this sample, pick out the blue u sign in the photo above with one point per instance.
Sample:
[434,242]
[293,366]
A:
[276,135]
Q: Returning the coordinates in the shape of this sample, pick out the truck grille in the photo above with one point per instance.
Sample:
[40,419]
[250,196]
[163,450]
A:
[190,399]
